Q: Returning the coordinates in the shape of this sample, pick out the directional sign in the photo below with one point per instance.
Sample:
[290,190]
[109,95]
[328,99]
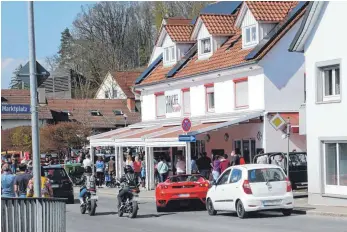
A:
[187,138]
[186,124]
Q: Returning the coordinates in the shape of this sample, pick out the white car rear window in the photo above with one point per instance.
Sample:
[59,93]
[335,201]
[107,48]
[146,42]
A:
[265,175]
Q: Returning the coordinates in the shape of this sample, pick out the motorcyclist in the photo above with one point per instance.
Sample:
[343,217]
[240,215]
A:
[127,182]
[88,181]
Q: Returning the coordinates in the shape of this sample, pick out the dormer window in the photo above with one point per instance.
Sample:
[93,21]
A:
[205,46]
[250,35]
[118,112]
[169,54]
[95,113]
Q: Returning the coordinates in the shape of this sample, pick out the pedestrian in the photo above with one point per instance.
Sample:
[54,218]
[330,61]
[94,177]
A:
[46,188]
[21,181]
[224,163]
[87,162]
[235,159]
[129,161]
[216,167]
[194,166]
[14,165]
[100,168]
[163,169]
[180,166]
[111,166]
[204,165]
[7,182]
[137,167]
[143,171]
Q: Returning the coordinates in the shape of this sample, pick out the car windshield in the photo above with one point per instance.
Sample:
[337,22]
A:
[265,175]
[185,178]
[55,173]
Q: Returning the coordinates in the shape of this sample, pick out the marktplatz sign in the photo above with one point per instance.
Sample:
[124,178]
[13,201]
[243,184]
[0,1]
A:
[15,109]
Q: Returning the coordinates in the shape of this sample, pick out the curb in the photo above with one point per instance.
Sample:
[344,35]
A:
[331,214]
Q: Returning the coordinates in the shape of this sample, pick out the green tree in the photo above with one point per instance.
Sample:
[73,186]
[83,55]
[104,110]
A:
[21,138]
[65,53]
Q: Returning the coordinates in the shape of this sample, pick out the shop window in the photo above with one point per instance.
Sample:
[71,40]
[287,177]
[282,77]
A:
[210,98]
[335,166]
[160,105]
[241,93]
[186,101]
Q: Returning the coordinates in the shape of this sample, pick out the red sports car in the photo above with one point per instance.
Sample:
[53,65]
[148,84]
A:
[181,190]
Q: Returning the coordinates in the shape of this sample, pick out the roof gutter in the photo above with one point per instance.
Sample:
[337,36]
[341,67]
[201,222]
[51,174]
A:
[198,74]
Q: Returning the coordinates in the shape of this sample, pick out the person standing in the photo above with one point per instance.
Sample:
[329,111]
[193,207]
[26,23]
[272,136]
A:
[129,161]
[111,168]
[224,163]
[46,188]
[180,166]
[21,181]
[204,165]
[194,167]
[14,166]
[100,168]
[137,167]
[163,169]
[216,167]
[143,171]
[7,182]
[235,159]
[87,162]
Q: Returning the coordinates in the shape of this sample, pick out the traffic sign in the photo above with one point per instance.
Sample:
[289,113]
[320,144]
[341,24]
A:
[187,138]
[186,125]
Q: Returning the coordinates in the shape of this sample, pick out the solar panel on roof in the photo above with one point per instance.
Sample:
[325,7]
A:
[226,7]
[149,69]
[183,61]
[273,33]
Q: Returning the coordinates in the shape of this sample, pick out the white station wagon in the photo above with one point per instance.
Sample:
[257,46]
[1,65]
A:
[250,188]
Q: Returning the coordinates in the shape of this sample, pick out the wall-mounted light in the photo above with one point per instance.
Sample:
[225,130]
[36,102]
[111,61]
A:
[226,137]
[207,138]
[218,75]
[193,80]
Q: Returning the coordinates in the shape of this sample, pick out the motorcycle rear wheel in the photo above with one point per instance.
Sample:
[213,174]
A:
[83,209]
[92,207]
[135,208]
[120,212]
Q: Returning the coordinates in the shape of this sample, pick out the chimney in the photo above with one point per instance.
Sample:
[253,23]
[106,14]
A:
[131,104]
[41,95]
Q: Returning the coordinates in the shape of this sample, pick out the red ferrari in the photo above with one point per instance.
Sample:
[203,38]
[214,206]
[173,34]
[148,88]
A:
[181,190]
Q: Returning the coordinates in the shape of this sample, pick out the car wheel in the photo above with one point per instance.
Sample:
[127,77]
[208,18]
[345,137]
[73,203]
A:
[240,210]
[210,208]
[287,212]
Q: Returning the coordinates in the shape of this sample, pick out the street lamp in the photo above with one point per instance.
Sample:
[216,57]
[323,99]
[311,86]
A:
[288,136]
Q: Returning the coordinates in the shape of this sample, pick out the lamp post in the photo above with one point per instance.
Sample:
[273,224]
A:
[288,136]
[33,102]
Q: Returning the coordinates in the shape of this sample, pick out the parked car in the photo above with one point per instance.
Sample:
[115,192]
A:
[297,166]
[60,181]
[181,190]
[250,188]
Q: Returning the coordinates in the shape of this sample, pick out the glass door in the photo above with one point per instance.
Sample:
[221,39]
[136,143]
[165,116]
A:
[246,148]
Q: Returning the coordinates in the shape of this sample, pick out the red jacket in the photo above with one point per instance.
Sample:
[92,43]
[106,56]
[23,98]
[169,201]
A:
[224,164]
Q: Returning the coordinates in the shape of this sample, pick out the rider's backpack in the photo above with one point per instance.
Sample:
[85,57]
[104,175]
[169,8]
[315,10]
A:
[131,179]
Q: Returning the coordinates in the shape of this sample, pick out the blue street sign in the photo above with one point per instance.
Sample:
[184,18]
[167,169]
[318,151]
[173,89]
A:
[15,109]
[187,138]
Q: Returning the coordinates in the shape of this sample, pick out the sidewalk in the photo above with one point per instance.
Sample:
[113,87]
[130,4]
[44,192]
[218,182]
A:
[301,206]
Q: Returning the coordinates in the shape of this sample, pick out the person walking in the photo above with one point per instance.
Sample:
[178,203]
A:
[216,167]
[204,165]
[143,171]
[14,166]
[129,161]
[180,166]
[194,166]
[87,162]
[7,182]
[100,168]
[224,163]
[21,181]
[163,169]
[111,166]
[46,188]
[137,167]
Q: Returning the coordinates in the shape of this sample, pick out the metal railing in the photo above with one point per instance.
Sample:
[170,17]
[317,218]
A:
[33,215]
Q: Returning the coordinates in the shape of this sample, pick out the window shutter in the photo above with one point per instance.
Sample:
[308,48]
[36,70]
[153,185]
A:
[186,102]
[241,94]
[319,86]
[161,105]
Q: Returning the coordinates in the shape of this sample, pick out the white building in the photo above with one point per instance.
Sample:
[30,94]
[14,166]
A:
[232,75]
[325,49]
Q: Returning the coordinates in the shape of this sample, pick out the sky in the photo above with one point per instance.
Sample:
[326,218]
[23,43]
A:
[51,18]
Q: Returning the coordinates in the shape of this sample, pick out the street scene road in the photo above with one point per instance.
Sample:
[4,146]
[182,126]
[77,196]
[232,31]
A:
[106,219]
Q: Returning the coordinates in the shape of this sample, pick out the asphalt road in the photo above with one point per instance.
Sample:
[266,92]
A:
[148,220]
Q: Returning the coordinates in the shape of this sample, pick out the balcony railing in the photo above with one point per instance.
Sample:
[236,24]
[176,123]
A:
[33,215]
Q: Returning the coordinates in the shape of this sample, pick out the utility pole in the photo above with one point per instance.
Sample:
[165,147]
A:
[33,102]
[288,136]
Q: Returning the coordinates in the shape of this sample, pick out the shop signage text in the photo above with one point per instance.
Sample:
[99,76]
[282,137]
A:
[15,109]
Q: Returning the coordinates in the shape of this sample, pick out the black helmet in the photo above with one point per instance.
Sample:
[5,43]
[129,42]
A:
[88,169]
[128,169]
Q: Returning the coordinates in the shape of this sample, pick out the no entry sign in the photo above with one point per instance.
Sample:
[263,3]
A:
[186,124]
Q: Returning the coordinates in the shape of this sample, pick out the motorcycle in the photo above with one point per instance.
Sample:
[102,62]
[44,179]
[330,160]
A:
[129,203]
[111,181]
[89,204]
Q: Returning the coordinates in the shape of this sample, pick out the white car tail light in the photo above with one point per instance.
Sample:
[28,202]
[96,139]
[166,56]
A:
[247,187]
[289,185]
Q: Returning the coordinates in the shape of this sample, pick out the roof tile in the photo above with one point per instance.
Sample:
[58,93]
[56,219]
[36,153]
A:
[270,11]
[219,24]
[179,33]
[126,80]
